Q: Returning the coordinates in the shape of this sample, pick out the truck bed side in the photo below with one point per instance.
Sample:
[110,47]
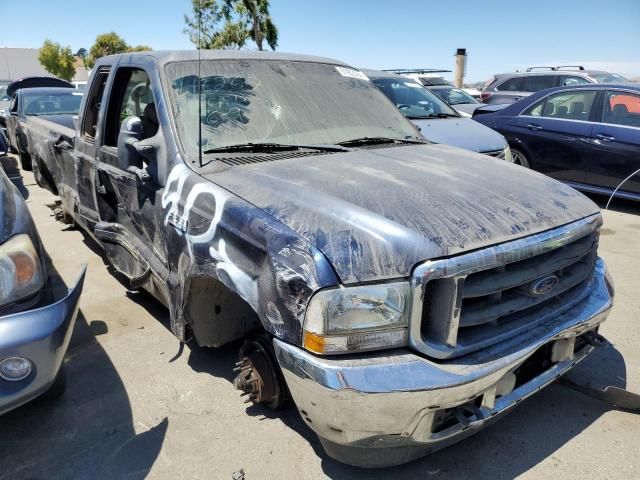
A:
[49,140]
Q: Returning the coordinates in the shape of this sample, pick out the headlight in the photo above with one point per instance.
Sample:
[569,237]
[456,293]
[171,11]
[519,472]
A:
[356,319]
[20,272]
[507,154]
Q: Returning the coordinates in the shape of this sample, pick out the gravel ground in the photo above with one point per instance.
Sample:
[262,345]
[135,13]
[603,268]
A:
[138,407]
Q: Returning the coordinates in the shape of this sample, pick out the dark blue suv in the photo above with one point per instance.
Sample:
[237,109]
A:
[587,136]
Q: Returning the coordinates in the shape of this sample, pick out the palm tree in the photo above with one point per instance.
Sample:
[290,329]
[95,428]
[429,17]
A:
[261,27]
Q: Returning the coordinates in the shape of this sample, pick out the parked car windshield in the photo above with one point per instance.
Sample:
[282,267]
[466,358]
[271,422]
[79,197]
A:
[288,102]
[608,77]
[454,96]
[412,99]
[3,92]
[50,104]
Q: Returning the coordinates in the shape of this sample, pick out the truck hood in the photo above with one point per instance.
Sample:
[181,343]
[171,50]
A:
[461,132]
[376,213]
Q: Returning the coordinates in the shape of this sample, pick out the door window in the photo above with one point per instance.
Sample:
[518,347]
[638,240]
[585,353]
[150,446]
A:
[132,96]
[13,108]
[515,84]
[93,104]
[535,83]
[622,108]
[567,105]
[570,80]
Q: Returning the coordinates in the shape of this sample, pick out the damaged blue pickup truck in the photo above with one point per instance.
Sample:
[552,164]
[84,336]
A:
[402,294]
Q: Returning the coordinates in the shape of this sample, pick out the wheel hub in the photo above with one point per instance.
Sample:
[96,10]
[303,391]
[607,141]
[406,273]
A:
[257,376]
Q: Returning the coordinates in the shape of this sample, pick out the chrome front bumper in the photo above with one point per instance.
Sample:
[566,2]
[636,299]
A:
[41,335]
[382,409]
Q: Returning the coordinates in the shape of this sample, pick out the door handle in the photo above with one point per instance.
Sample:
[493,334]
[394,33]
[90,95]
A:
[533,126]
[62,144]
[605,138]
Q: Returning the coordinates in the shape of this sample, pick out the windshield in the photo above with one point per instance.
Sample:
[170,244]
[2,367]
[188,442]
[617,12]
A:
[50,104]
[433,81]
[412,99]
[454,96]
[288,102]
[608,77]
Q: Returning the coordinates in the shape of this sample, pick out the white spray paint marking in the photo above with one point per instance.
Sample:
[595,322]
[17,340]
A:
[246,286]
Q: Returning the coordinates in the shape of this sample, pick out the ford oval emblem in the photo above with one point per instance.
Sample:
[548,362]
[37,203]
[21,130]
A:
[543,285]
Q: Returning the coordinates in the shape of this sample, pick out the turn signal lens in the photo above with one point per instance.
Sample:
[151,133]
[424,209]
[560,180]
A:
[21,274]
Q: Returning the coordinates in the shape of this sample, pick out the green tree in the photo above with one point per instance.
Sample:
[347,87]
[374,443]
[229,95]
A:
[106,44]
[139,48]
[57,60]
[110,44]
[230,24]
[212,26]
[82,55]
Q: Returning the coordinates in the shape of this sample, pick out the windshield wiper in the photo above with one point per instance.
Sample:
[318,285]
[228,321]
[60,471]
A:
[265,147]
[435,115]
[356,142]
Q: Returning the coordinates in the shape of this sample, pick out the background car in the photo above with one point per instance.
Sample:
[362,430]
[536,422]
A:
[437,121]
[428,77]
[460,100]
[36,101]
[587,135]
[511,87]
[37,311]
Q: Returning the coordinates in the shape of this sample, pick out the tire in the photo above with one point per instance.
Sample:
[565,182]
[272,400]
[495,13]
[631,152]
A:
[519,158]
[25,159]
[37,174]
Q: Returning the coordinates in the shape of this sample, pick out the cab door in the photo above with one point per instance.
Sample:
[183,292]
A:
[79,161]
[616,143]
[128,194]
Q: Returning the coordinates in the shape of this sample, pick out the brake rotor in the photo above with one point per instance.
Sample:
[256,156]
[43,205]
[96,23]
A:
[257,376]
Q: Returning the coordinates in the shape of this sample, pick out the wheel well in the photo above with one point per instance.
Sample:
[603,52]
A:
[215,314]
[516,145]
[46,174]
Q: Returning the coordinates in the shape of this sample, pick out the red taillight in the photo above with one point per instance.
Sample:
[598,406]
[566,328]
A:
[484,96]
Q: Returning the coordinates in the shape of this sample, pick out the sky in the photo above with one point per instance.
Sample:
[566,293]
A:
[374,33]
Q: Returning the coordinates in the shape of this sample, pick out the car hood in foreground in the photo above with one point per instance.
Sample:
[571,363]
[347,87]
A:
[376,213]
[461,132]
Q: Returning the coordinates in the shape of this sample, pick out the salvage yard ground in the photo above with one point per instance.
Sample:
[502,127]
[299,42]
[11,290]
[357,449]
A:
[138,406]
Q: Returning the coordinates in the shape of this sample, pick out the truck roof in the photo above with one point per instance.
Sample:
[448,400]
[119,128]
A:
[168,56]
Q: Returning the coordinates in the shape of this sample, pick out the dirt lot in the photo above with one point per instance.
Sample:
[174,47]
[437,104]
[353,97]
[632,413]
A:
[138,406]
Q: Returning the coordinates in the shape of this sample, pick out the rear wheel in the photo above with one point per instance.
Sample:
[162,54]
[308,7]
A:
[520,158]
[25,158]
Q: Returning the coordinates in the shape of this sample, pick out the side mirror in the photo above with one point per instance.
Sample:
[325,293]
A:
[130,133]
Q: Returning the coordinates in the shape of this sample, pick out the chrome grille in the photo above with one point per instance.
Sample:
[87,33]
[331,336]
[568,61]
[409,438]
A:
[478,299]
